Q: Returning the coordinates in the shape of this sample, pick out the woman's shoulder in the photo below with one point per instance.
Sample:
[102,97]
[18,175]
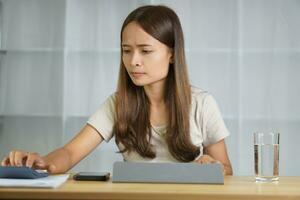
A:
[112,97]
[108,105]
[201,98]
[110,100]
[198,94]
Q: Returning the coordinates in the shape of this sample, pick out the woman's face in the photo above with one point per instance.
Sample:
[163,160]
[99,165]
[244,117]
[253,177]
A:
[145,58]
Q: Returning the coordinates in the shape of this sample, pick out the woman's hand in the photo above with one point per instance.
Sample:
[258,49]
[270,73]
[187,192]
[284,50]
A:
[32,160]
[206,159]
[61,159]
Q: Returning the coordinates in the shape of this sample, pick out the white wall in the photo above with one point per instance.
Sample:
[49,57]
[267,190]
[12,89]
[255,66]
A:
[62,60]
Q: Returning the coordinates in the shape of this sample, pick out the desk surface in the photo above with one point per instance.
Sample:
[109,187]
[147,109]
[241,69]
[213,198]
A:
[234,188]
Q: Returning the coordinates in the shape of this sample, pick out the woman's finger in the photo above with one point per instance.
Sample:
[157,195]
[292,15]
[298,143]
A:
[5,161]
[12,158]
[205,159]
[31,159]
[19,156]
[40,163]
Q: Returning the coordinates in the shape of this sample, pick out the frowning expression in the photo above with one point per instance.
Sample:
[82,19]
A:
[145,58]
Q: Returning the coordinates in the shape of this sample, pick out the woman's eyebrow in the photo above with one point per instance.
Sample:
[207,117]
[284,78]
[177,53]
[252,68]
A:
[139,45]
[144,45]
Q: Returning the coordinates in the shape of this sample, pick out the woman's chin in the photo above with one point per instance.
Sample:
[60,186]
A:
[139,82]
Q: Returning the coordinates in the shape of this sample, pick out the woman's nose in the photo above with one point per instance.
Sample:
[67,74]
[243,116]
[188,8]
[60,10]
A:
[135,59]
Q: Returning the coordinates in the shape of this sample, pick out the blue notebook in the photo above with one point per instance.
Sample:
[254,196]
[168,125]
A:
[21,173]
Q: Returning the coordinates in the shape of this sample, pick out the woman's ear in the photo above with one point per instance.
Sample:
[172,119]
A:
[172,56]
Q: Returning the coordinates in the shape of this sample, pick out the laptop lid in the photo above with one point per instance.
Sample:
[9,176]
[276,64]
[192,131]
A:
[167,173]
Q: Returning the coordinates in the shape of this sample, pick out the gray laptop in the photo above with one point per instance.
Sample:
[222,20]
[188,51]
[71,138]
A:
[167,173]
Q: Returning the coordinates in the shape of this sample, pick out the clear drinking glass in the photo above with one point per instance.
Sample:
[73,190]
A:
[266,156]
[1,22]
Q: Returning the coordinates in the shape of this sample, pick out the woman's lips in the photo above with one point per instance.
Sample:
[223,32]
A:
[137,74]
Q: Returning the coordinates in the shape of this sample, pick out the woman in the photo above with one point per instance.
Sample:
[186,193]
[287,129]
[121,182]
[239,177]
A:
[155,115]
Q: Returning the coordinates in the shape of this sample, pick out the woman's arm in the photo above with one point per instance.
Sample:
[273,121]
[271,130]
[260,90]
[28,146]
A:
[77,149]
[217,153]
[59,160]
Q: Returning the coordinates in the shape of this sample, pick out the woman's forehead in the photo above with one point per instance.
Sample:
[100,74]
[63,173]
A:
[134,35]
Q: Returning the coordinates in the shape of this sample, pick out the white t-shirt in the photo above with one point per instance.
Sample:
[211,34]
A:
[206,126]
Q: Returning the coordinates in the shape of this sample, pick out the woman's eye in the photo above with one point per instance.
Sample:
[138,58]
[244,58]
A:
[146,51]
[126,51]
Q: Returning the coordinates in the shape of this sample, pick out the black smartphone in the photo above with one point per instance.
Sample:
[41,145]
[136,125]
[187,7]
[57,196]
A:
[91,176]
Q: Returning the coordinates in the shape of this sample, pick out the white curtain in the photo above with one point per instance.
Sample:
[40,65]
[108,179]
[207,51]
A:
[59,61]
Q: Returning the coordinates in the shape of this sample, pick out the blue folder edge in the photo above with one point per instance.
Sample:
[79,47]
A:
[20,173]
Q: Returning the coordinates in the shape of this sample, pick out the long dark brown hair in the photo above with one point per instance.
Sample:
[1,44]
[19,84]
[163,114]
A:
[132,127]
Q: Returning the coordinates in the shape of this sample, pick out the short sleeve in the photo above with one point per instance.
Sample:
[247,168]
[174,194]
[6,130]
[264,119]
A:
[103,119]
[214,128]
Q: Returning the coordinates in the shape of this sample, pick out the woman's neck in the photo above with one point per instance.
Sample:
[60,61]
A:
[158,111]
[155,93]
